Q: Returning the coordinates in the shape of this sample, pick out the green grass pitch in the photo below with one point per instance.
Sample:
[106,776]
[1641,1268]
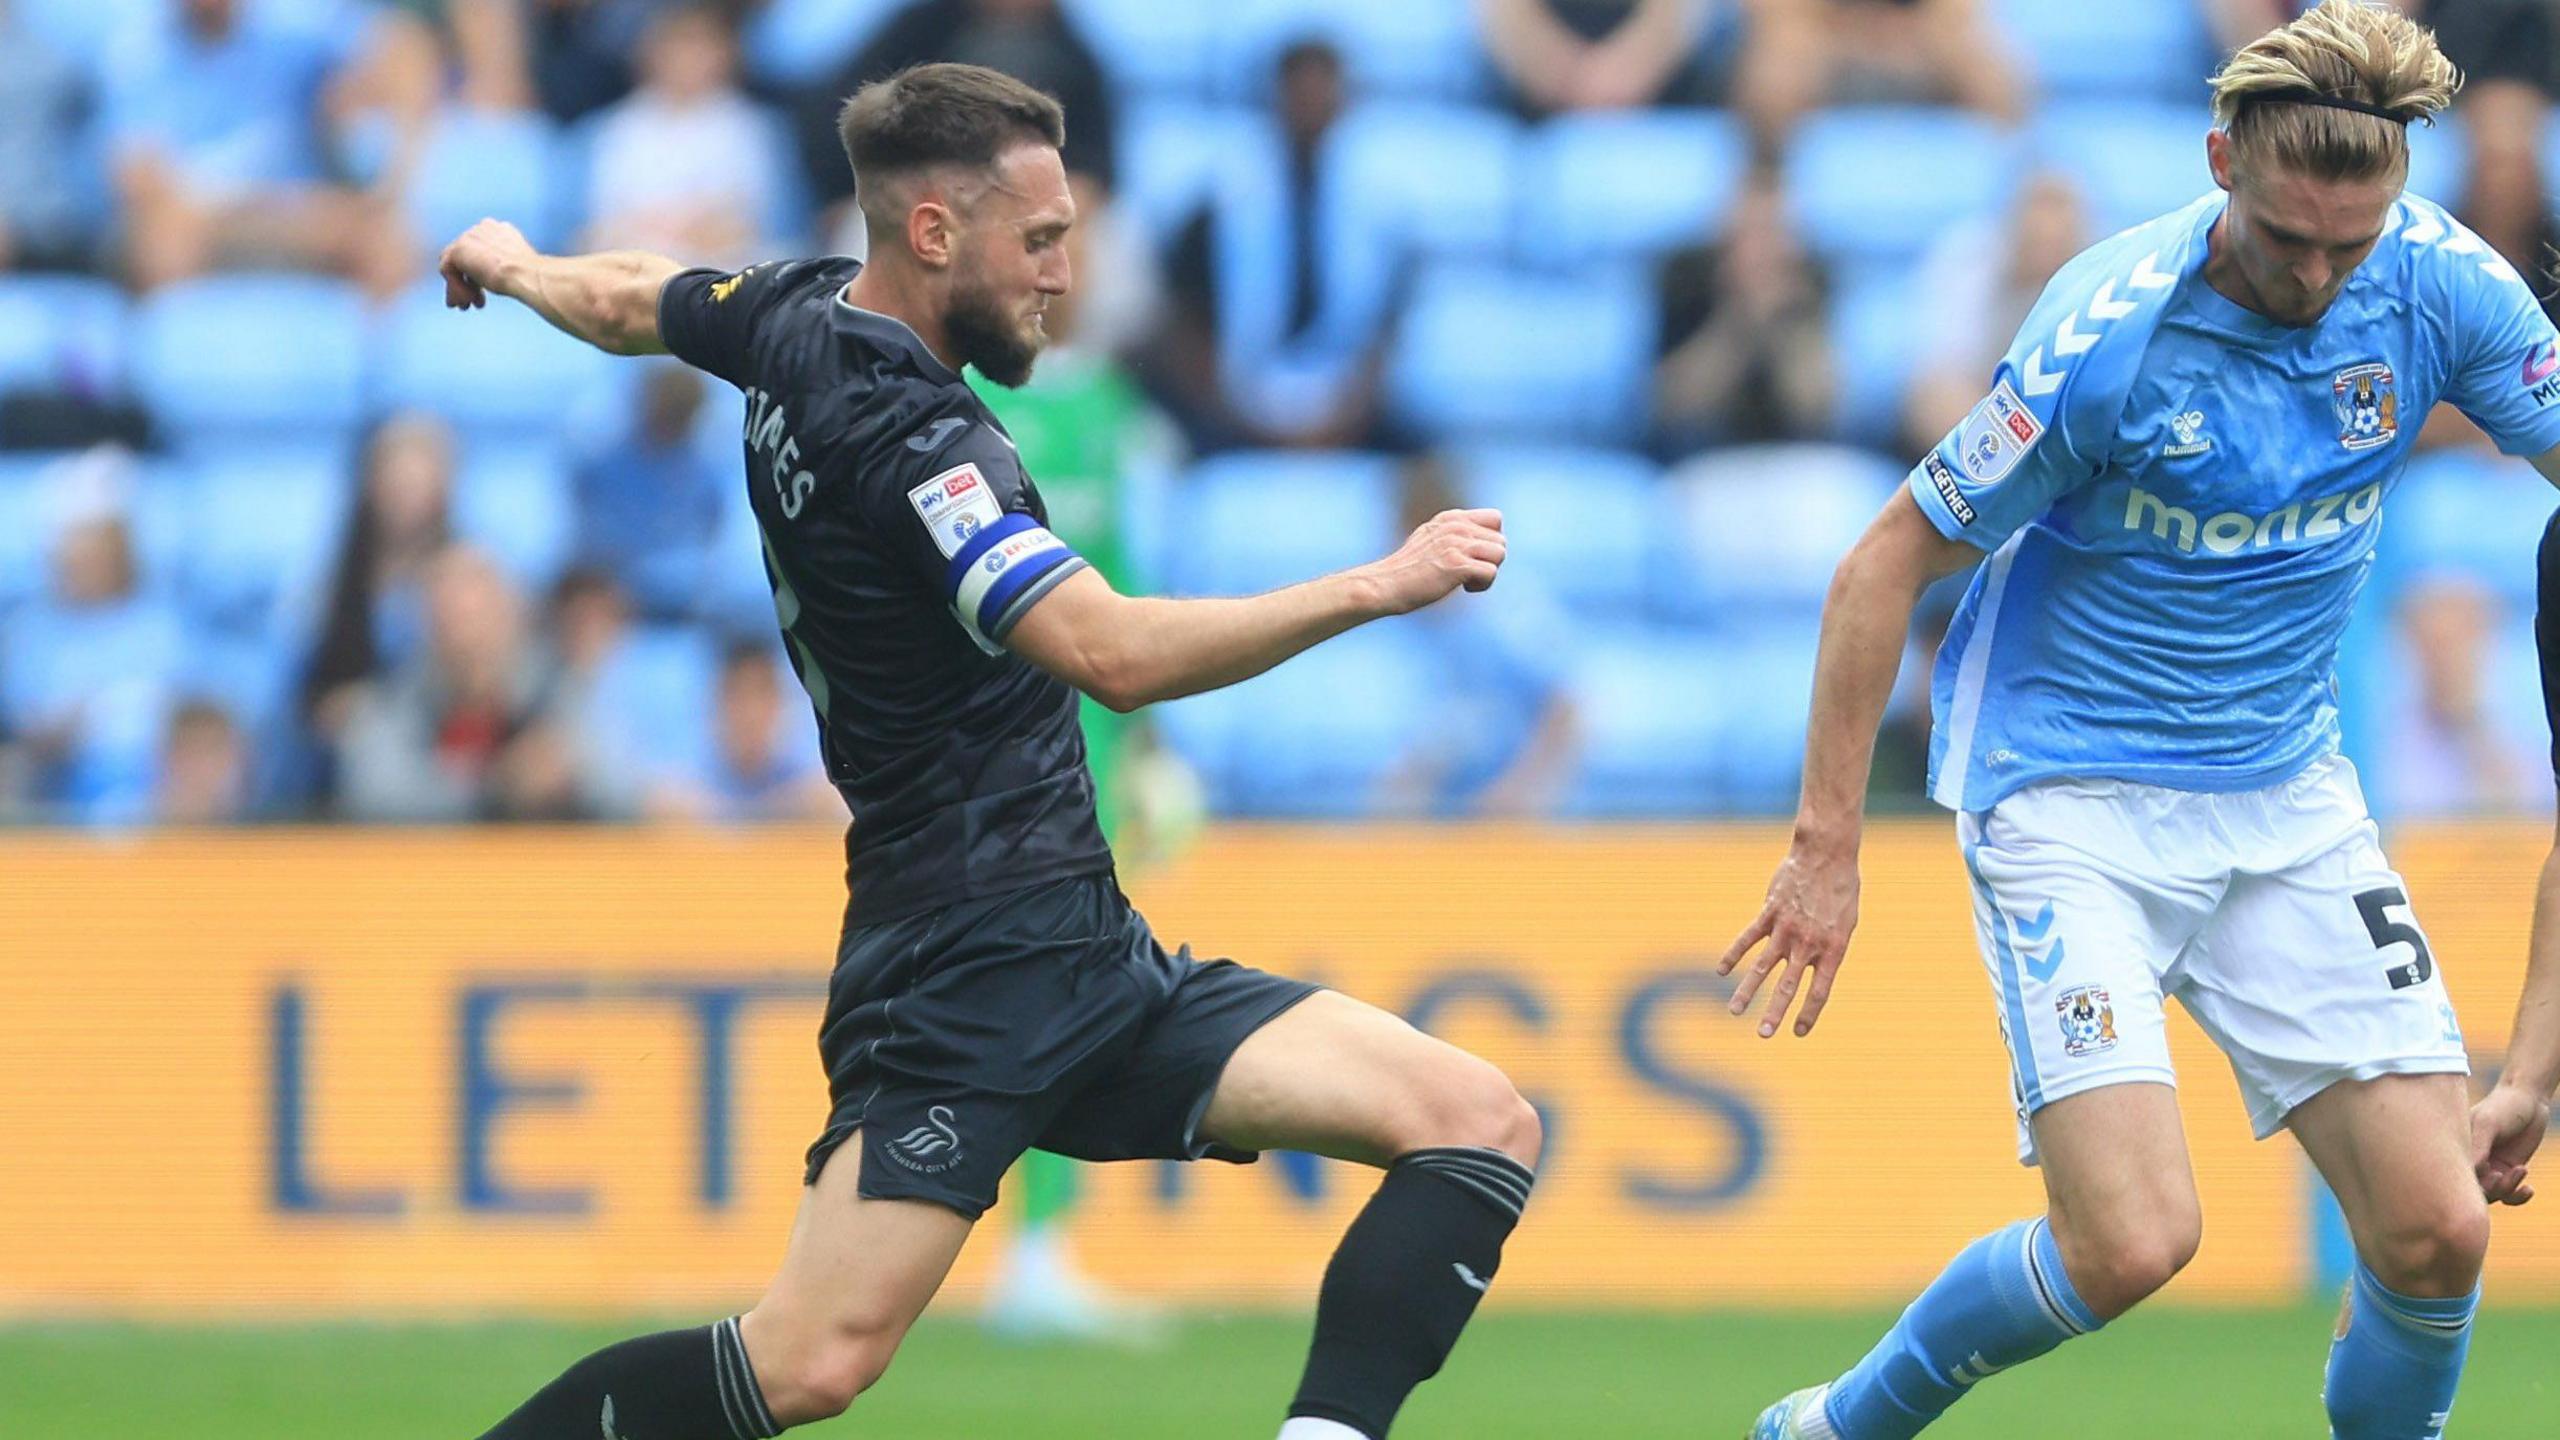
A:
[2223,1374]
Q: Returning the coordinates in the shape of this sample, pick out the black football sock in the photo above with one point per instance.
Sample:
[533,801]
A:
[1405,1279]
[680,1385]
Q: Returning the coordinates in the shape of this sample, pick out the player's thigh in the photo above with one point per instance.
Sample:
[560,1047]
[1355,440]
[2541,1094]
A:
[855,1275]
[2121,1189]
[1342,1078]
[2396,1151]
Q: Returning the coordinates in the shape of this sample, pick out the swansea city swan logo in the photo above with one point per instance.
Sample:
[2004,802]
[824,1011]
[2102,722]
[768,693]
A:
[930,1148]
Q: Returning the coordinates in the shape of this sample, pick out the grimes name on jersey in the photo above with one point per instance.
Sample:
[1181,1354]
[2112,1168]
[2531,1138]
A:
[2232,532]
[769,435]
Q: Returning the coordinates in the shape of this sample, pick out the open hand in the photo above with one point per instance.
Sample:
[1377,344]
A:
[1811,910]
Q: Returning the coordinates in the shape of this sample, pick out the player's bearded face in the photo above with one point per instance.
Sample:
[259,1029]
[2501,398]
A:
[991,331]
[1013,261]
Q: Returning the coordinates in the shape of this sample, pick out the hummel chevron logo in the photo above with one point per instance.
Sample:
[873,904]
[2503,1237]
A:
[2105,306]
[2071,341]
[2034,931]
[2068,340]
[2146,276]
[2036,379]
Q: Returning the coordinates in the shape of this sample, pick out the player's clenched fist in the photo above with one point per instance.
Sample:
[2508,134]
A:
[1453,548]
[472,264]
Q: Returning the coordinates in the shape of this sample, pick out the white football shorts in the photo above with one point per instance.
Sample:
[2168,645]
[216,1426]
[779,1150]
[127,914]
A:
[2271,914]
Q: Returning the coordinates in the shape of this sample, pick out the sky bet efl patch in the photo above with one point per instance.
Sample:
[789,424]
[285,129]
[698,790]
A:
[955,505]
[1996,436]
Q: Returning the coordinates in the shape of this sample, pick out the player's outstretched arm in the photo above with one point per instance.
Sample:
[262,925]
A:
[609,299]
[2508,1123]
[1128,651]
[1813,901]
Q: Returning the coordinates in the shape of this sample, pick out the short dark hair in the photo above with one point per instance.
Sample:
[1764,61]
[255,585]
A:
[943,114]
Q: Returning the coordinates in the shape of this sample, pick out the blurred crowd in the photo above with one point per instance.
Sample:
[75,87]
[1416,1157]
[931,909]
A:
[1681,284]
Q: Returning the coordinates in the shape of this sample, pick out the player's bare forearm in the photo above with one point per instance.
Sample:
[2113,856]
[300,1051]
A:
[2533,1048]
[1134,651]
[1866,622]
[608,299]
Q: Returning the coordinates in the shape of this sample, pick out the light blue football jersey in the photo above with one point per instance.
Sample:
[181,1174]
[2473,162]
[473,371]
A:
[2180,499]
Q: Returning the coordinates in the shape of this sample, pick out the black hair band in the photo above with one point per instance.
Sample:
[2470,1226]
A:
[2328,102]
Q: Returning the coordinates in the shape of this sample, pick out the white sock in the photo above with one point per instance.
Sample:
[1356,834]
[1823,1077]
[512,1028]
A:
[1307,1427]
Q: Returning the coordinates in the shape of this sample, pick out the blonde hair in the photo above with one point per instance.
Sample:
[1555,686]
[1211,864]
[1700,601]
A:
[2347,50]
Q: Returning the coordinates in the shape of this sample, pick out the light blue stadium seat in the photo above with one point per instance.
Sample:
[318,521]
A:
[2132,160]
[1489,354]
[1583,523]
[499,372]
[652,702]
[1315,738]
[2440,161]
[1627,184]
[513,502]
[1258,521]
[1420,179]
[1882,181]
[63,332]
[2466,512]
[1753,533]
[2157,49]
[26,529]
[262,537]
[1876,340]
[1759,753]
[1152,48]
[240,358]
[480,163]
[790,44]
[1420,48]
[1171,152]
[78,30]
[1652,705]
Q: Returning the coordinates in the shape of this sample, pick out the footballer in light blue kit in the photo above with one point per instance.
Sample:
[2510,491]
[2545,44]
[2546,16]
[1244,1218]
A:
[2172,491]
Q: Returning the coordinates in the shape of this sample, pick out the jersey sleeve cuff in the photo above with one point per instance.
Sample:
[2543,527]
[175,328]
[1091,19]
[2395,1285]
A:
[1933,486]
[1032,593]
[2531,439]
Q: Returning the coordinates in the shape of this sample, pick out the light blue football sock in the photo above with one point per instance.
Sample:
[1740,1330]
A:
[2004,1301]
[2392,1374]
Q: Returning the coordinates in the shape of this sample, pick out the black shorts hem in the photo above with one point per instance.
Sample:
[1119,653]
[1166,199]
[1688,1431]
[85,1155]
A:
[1199,1149]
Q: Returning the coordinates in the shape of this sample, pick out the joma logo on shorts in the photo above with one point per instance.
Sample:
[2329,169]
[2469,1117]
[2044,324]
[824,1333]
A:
[2232,532]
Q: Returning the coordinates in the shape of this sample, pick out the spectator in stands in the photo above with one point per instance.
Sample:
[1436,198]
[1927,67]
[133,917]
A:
[1802,55]
[688,165]
[402,520]
[649,498]
[2509,54]
[1971,305]
[1745,335]
[1558,55]
[486,45]
[86,671]
[759,766]
[1264,342]
[1031,40]
[231,124]
[204,768]
[41,226]
[1504,736]
[469,729]
[2448,754]
[579,52]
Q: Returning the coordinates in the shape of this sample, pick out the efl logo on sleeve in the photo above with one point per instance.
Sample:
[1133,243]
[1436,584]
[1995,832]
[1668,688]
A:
[1997,435]
[955,505]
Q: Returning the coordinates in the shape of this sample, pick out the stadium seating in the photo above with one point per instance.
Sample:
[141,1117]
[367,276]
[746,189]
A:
[481,163]
[1315,738]
[513,501]
[262,529]
[1881,181]
[2465,512]
[1151,48]
[245,358]
[1255,522]
[791,43]
[2132,160]
[1583,523]
[1618,185]
[1653,705]
[1752,534]
[26,531]
[1433,180]
[1492,354]
[2154,50]
[652,701]
[1418,48]
[1875,340]
[499,372]
[1171,152]
[61,332]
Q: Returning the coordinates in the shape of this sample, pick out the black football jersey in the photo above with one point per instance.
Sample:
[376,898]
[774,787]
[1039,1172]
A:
[2546,630]
[903,542]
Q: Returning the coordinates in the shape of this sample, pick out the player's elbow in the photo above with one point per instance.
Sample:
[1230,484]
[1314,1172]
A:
[1116,684]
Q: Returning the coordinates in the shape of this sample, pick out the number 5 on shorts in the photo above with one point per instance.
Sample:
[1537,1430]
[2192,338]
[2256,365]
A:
[2375,906]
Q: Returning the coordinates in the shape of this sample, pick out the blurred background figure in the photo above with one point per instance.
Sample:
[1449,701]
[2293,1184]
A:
[759,767]
[1746,342]
[687,165]
[1805,54]
[650,496]
[1973,290]
[44,220]
[204,769]
[1559,55]
[375,619]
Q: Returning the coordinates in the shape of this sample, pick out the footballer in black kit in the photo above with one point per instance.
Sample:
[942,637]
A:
[903,541]
[993,991]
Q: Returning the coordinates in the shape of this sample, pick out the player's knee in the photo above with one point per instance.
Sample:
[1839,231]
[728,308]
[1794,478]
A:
[820,1376]
[2433,1251]
[1469,1102]
[2116,1267]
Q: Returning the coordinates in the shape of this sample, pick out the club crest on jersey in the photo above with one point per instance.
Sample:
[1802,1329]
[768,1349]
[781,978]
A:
[2368,408]
[1996,436]
[2088,1020]
[955,505]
